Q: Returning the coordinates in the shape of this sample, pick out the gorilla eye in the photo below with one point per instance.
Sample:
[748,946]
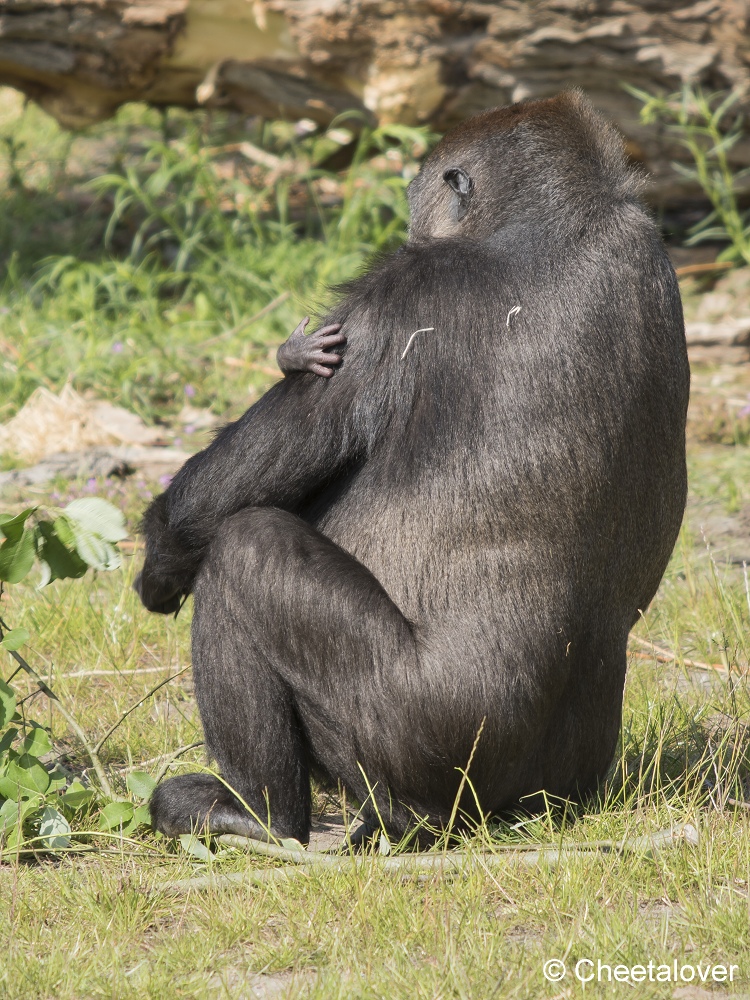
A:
[460,182]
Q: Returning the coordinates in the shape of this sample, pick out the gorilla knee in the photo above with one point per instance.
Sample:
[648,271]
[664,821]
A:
[247,540]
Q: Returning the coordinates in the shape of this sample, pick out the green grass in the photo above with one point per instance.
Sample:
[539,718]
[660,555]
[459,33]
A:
[104,924]
[100,925]
[118,276]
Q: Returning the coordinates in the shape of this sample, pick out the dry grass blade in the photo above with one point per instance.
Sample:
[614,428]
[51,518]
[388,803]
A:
[716,265]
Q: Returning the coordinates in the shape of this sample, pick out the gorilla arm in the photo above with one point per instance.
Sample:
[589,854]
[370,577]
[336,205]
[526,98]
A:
[299,435]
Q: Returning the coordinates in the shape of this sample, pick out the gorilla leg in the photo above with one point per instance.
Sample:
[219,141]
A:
[298,655]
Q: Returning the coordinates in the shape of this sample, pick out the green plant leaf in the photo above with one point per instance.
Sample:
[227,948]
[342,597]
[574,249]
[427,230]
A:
[17,556]
[140,784]
[57,551]
[24,777]
[99,517]
[142,815]
[12,526]
[95,551]
[292,844]
[58,779]
[115,815]
[6,741]
[15,638]
[7,704]
[8,816]
[195,847]
[36,742]
[61,527]
[76,796]
[54,828]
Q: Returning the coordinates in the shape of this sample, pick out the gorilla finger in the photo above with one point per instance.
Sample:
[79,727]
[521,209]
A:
[331,341]
[325,359]
[320,370]
[324,330]
[300,327]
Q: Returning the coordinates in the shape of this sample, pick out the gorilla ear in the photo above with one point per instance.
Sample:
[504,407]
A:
[460,182]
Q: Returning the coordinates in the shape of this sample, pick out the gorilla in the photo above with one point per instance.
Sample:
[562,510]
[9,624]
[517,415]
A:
[433,557]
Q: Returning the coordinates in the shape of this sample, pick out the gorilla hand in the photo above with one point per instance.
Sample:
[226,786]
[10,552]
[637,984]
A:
[157,593]
[309,352]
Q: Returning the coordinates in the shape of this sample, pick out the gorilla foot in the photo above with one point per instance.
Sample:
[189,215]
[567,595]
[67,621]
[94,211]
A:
[200,803]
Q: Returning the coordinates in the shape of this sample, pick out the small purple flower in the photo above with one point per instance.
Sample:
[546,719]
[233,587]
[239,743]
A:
[91,486]
[177,442]
[189,391]
[165,481]
[745,411]
[117,347]
[189,428]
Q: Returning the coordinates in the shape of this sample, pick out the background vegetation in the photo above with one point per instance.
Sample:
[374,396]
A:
[142,288]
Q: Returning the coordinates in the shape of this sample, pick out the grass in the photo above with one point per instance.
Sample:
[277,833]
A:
[120,278]
[103,924]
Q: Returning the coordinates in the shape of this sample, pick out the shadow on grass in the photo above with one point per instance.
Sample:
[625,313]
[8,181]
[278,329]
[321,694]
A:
[672,757]
[39,224]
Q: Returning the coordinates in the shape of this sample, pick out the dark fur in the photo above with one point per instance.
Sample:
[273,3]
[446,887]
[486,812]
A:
[386,560]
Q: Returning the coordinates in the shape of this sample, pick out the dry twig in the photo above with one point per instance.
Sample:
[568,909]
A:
[425,864]
[662,655]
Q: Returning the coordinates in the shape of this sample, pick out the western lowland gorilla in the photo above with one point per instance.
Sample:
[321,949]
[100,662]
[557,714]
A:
[437,553]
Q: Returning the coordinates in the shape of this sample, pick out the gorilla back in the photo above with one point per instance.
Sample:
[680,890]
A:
[443,547]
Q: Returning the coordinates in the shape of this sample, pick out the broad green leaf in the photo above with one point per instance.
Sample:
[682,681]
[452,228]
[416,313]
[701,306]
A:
[291,844]
[17,557]
[76,795]
[99,517]
[6,741]
[142,815]
[62,562]
[95,551]
[24,777]
[15,838]
[15,638]
[140,784]
[12,526]
[115,815]
[46,576]
[16,816]
[7,704]
[54,828]
[61,527]
[58,779]
[195,847]
[36,743]
[8,815]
